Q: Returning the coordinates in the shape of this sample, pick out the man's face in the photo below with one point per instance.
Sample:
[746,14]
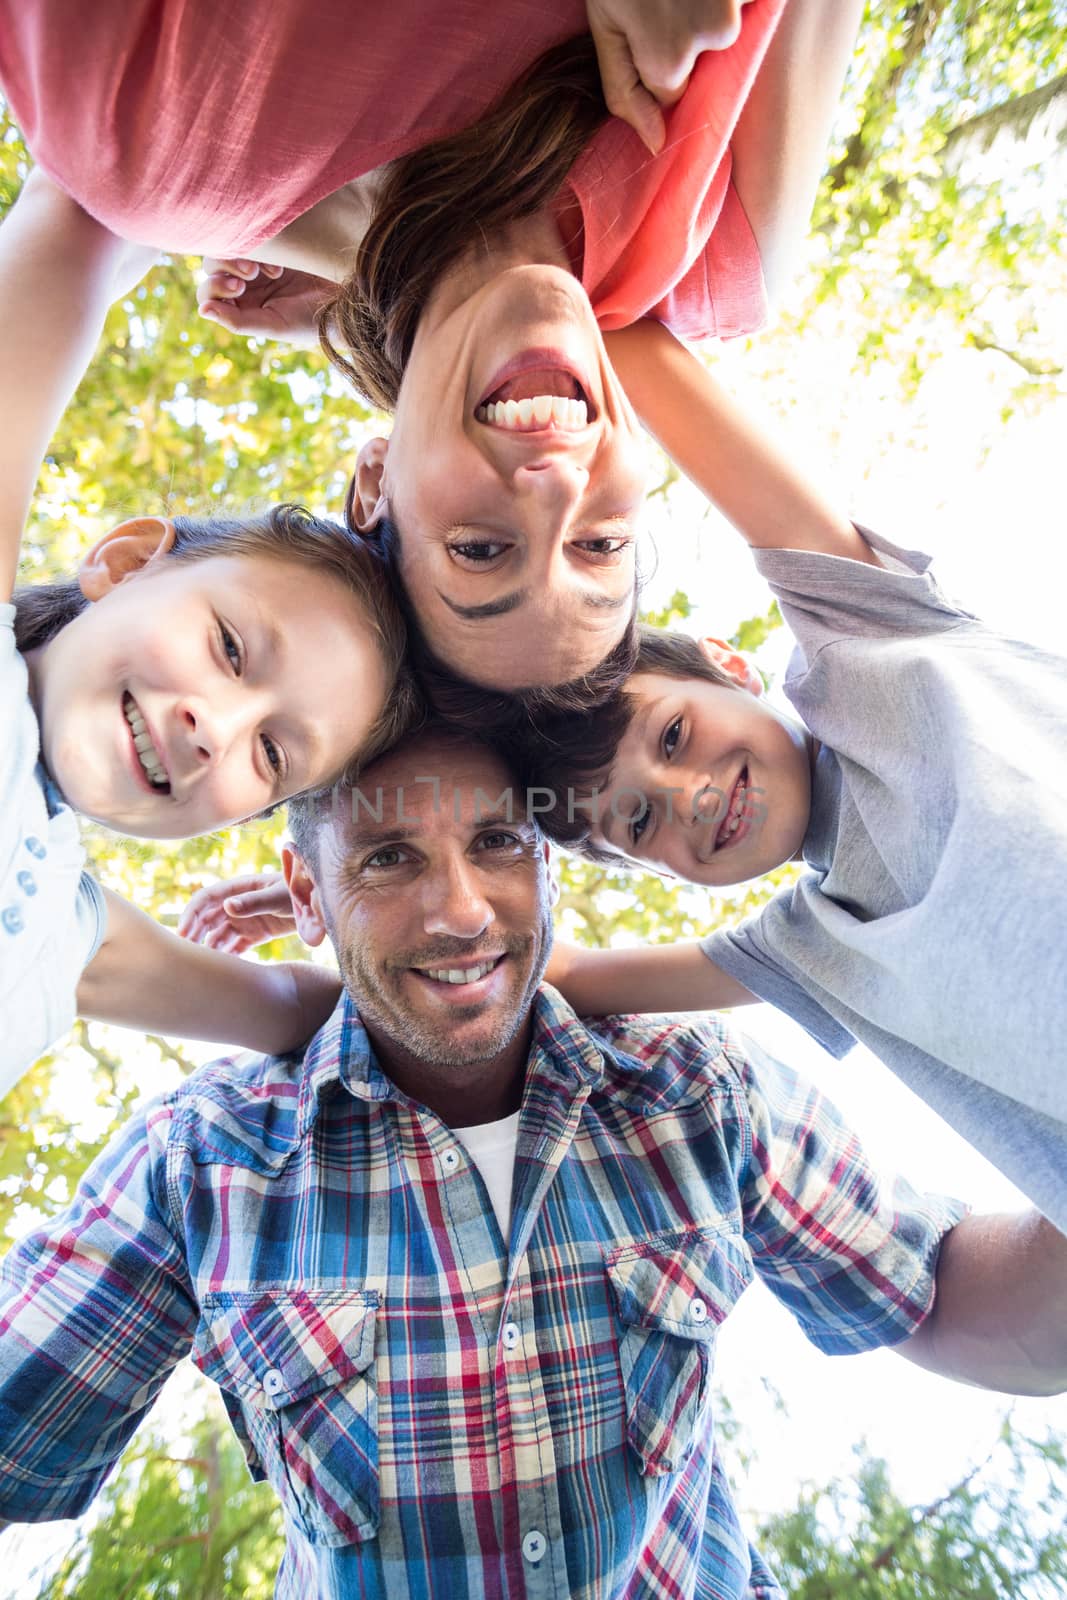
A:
[438,906]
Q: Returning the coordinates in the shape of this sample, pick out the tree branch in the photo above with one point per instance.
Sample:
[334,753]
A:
[1016,115]
[1030,364]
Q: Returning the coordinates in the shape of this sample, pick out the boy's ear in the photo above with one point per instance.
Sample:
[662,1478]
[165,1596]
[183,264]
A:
[125,550]
[744,673]
[304,893]
[366,503]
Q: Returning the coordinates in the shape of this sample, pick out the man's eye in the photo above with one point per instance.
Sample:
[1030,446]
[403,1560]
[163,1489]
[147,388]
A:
[497,841]
[671,735]
[390,856]
[478,551]
[231,649]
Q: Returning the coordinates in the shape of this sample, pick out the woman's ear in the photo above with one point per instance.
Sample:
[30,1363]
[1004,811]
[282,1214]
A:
[125,550]
[366,504]
[734,662]
[304,893]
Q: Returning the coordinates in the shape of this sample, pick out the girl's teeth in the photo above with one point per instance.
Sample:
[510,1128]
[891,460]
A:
[535,412]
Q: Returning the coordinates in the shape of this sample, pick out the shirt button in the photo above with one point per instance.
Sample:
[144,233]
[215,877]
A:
[698,1311]
[511,1336]
[273,1383]
[11,918]
[27,883]
[450,1161]
[534,1545]
[35,847]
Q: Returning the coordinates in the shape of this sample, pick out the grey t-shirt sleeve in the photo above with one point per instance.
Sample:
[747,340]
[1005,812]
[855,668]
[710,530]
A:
[825,598]
[746,953]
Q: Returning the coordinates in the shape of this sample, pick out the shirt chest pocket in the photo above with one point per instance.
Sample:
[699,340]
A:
[297,1374]
[671,1294]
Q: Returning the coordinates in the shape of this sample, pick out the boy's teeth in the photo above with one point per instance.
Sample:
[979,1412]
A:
[459,974]
[536,412]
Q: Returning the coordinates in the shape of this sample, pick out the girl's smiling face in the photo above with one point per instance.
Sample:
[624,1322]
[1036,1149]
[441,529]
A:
[193,693]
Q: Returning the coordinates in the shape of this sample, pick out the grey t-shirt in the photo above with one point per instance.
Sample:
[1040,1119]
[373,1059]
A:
[52,913]
[932,922]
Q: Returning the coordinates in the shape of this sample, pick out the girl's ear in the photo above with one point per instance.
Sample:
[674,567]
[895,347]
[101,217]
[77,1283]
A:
[304,893]
[744,673]
[366,504]
[125,550]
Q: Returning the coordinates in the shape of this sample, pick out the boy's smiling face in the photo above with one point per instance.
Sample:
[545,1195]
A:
[709,784]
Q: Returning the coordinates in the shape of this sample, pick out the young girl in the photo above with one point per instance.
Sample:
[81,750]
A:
[177,685]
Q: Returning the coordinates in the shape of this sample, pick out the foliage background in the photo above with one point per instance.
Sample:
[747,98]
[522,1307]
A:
[940,226]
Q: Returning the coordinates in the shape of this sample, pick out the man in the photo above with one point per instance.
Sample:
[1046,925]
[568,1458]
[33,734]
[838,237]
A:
[462,1382]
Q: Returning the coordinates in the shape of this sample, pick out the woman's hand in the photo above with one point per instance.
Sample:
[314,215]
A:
[237,915]
[261,301]
[647,50]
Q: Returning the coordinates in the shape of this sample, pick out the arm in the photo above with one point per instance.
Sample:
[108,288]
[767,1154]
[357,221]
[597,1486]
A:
[779,143]
[999,1319]
[729,457]
[143,976]
[59,272]
[669,977]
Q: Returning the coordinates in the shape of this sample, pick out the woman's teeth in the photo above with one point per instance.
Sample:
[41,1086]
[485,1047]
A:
[459,974]
[142,743]
[536,412]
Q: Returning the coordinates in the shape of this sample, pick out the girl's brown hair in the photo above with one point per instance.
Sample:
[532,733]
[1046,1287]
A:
[437,202]
[281,533]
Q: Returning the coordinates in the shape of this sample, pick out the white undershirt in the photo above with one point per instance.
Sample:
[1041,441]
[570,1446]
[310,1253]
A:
[491,1146]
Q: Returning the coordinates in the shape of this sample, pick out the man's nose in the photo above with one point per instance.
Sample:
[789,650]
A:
[455,902]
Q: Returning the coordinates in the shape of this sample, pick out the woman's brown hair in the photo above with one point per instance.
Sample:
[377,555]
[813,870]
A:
[435,203]
[281,533]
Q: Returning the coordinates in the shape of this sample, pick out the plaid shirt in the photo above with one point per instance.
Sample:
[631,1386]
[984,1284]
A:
[440,1415]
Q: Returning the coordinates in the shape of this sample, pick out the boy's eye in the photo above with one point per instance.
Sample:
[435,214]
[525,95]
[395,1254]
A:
[639,823]
[231,649]
[671,735]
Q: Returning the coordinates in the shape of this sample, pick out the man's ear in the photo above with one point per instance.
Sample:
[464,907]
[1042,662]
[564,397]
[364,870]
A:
[125,550]
[305,895]
[555,889]
[734,662]
[366,503]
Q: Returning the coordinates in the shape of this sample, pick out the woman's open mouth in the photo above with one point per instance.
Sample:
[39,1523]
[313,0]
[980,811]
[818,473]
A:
[537,399]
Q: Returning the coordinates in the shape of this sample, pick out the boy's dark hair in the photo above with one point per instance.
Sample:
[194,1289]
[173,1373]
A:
[477,708]
[280,533]
[573,754]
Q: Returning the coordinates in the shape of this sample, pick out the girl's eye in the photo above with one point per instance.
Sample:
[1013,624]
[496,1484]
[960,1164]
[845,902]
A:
[478,551]
[231,649]
[671,736]
[272,753]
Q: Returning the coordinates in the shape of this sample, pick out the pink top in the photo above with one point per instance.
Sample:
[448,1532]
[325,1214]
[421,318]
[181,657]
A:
[209,125]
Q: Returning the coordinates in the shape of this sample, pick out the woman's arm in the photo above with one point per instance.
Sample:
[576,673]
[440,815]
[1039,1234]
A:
[731,458]
[59,272]
[668,977]
[779,143]
[145,977]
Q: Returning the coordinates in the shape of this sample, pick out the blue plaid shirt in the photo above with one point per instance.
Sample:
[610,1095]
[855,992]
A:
[441,1412]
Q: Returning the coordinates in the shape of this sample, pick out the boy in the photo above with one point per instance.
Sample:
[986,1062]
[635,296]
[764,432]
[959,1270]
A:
[926,793]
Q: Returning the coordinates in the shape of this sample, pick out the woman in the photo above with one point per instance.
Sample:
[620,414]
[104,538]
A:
[194,131]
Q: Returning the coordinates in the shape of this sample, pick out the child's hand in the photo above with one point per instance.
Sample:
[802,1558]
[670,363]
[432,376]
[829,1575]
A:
[261,301]
[240,913]
[311,993]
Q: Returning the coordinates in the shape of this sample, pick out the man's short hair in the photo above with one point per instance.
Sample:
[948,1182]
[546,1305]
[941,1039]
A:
[307,814]
[573,755]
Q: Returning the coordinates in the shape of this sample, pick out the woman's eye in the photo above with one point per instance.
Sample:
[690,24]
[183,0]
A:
[478,551]
[231,649]
[671,736]
[606,547]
